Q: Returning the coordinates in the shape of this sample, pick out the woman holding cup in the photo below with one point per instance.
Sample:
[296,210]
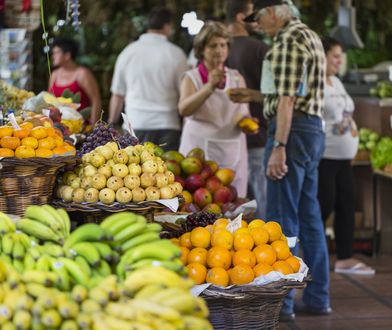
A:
[212,121]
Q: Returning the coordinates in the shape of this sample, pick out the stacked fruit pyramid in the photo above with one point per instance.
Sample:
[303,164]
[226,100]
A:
[110,174]
[95,277]
[36,137]
[213,254]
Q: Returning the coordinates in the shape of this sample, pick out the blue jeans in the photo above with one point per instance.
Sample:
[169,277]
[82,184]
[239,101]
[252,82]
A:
[257,180]
[293,202]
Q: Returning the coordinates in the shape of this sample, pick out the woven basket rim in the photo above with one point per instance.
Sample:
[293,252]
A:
[13,161]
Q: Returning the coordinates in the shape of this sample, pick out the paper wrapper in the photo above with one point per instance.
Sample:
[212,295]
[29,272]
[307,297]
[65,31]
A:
[246,208]
[263,280]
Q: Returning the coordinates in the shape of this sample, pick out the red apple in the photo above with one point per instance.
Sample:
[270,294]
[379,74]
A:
[213,184]
[234,193]
[174,167]
[202,197]
[55,114]
[213,164]
[190,208]
[222,195]
[180,180]
[228,207]
[194,182]
[206,171]
[213,208]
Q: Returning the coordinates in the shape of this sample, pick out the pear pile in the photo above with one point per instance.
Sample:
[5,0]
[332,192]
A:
[109,174]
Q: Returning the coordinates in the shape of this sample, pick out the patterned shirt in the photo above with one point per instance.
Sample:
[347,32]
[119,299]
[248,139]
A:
[297,51]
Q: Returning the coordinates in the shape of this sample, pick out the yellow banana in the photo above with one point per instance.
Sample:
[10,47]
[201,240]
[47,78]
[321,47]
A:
[38,230]
[79,293]
[99,295]
[22,319]
[42,215]
[163,312]
[51,318]
[148,291]
[68,309]
[46,278]
[192,322]
[66,221]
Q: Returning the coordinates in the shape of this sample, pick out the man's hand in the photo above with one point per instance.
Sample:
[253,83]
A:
[277,167]
[245,95]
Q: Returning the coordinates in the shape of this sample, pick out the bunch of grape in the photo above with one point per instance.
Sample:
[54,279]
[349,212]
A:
[199,219]
[127,140]
[101,135]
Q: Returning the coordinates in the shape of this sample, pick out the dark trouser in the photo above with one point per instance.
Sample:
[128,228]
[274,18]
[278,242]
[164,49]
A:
[168,138]
[337,193]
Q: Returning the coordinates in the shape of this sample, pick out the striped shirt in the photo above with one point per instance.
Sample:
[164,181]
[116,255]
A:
[295,48]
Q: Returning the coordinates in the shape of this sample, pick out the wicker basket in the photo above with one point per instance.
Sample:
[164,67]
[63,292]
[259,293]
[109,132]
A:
[248,307]
[24,182]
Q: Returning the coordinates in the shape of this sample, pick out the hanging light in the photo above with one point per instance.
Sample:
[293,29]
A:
[191,23]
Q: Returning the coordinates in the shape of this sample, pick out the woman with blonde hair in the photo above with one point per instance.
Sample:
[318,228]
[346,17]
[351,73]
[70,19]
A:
[211,119]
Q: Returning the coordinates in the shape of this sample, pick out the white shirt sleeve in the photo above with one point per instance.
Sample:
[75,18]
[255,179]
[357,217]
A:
[182,68]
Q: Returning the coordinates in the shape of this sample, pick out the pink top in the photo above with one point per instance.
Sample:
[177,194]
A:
[73,88]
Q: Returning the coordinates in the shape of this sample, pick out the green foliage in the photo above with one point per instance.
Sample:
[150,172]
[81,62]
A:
[382,154]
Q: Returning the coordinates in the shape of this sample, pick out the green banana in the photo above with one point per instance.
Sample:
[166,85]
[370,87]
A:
[52,249]
[43,263]
[112,219]
[58,218]
[140,239]
[18,265]
[84,265]
[28,262]
[35,252]
[46,278]
[6,224]
[104,268]
[7,243]
[75,271]
[130,232]
[62,273]
[154,227]
[122,223]
[87,232]
[66,221]
[18,249]
[88,251]
[104,250]
[42,215]
[51,318]
[38,230]
[25,240]
[69,325]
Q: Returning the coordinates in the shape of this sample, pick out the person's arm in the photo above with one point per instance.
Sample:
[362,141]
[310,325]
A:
[87,81]
[277,167]
[115,107]
[191,99]
[245,95]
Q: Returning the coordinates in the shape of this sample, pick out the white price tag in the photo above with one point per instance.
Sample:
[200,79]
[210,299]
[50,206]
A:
[46,112]
[235,224]
[12,119]
[128,124]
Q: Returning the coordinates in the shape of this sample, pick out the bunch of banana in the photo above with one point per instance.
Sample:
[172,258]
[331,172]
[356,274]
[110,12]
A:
[6,224]
[45,223]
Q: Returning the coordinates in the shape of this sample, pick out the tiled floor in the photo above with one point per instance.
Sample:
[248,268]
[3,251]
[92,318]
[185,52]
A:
[358,302]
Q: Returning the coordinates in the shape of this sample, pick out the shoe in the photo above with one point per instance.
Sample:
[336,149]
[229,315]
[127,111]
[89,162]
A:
[301,308]
[286,317]
[358,269]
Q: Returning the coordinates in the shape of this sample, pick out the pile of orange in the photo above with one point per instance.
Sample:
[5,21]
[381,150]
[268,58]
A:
[214,255]
[30,141]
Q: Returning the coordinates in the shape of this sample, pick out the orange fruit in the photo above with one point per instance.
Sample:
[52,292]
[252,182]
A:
[59,151]
[218,276]
[262,269]
[265,254]
[6,131]
[200,237]
[50,131]
[30,142]
[241,231]
[243,241]
[218,256]
[222,238]
[282,249]
[244,224]
[283,267]
[210,228]
[259,235]
[10,142]
[244,257]
[294,263]
[274,230]
[241,274]
[256,223]
[197,272]
[185,240]
[184,254]
[24,152]
[47,143]
[232,253]
[5,152]
[21,133]
[43,153]
[283,238]
[70,149]
[175,241]
[58,140]
[198,255]
[27,125]
[39,132]
[221,222]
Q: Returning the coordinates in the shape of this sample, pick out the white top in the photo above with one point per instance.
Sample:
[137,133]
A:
[148,73]
[341,131]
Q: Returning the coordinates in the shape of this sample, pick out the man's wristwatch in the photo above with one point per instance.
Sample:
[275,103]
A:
[278,144]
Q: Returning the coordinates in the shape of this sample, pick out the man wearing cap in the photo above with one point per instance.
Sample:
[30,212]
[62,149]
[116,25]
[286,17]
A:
[292,86]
